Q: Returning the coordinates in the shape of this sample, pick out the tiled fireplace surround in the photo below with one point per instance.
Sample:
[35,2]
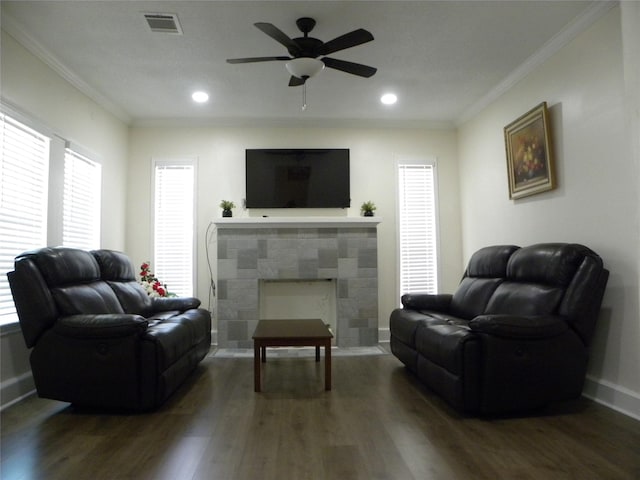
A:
[253,249]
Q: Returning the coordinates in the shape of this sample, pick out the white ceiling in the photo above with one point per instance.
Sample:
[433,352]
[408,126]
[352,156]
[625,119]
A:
[443,59]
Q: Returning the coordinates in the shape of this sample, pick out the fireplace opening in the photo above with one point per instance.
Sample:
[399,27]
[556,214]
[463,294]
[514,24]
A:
[299,299]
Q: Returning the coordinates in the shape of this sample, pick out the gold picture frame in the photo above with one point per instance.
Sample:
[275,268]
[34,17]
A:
[530,161]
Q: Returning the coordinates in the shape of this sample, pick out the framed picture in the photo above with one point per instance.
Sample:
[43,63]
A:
[529,154]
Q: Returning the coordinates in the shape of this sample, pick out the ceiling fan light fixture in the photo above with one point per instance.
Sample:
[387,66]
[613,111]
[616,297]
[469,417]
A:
[304,67]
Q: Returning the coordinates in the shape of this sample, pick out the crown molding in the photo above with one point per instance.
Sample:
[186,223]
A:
[597,10]
[11,26]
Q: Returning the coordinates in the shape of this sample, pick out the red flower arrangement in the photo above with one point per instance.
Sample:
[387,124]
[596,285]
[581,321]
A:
[151,284]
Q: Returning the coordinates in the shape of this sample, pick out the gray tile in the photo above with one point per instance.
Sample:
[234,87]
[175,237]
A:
[262,248]
[367,258]
[347,268]
[227,268]
[308,268]
[237,330]
[248,258]
[221,289]
[328,258]
[222,248]
[343,288]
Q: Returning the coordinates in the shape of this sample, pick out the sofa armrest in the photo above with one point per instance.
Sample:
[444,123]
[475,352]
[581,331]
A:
[163,304]
[521,327]
[424,301]
[108,325]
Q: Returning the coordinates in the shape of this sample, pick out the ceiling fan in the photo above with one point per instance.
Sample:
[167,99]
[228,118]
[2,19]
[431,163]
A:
[303,62]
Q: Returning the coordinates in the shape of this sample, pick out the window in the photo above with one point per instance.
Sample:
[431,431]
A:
[24,172]
[81,202]
[174,212]
[417,228]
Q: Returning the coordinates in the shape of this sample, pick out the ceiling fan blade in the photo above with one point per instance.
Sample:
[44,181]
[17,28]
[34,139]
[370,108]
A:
[256,59]
[349,67]
[296,82]
[348,40]
[279,36]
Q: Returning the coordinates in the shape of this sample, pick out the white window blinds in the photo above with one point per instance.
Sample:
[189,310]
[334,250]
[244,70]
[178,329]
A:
[81,202]
[174,212]
[417,228]
[24,170]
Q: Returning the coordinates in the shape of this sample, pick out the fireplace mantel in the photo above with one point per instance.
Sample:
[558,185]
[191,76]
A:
[255,249]
[297,222]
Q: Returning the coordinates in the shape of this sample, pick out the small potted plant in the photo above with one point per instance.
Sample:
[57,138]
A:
[226,207]
[368,208]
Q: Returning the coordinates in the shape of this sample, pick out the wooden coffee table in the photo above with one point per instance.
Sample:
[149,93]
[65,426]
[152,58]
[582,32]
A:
[291,333]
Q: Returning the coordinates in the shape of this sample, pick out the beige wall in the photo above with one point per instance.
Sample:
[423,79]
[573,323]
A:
[596,202]
[220,154]
[36,91]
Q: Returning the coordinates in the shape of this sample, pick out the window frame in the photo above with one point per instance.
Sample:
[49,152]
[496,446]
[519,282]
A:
[419,161]
[177,161]
[78,154]
[11,318]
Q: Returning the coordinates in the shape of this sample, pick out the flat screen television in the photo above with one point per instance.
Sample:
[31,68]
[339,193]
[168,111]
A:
[297,178]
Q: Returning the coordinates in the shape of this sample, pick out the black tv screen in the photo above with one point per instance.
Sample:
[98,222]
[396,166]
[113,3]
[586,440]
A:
[297,178]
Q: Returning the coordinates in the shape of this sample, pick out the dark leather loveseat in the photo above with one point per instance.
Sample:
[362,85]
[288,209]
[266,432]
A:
[515,334]
[97,338]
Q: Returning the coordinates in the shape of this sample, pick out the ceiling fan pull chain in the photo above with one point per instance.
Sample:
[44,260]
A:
[304,96]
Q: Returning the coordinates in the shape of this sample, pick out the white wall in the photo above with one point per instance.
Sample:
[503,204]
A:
[34,89]
[596,202]
[220,153]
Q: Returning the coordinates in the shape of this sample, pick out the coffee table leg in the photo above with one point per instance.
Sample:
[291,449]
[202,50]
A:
[317,353]
[264,354]
[256,366]
[327,365]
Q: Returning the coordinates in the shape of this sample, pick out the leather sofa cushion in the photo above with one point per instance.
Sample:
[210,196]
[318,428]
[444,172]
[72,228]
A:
[524,299]
[101,326]
[114,266]
[472,296]
[486,270]
[132,297]
[94,297]
[65,266]
[117,270]
[196,321]
[404,323]
[520,327]
[549,264]
[490,262]
[443,344]
[175,336]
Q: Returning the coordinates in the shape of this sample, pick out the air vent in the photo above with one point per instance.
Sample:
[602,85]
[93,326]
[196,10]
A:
[163,23]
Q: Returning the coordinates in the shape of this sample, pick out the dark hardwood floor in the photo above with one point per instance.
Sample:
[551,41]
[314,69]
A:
[378,422]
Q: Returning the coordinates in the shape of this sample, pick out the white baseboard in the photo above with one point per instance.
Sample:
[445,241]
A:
[15,389]
[613,396]
[384,335]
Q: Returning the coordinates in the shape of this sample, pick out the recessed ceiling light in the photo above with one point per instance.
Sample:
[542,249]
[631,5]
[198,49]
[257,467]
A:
[389,98]
[200,97]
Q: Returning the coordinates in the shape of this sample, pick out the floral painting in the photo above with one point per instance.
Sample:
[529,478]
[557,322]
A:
[529,156]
